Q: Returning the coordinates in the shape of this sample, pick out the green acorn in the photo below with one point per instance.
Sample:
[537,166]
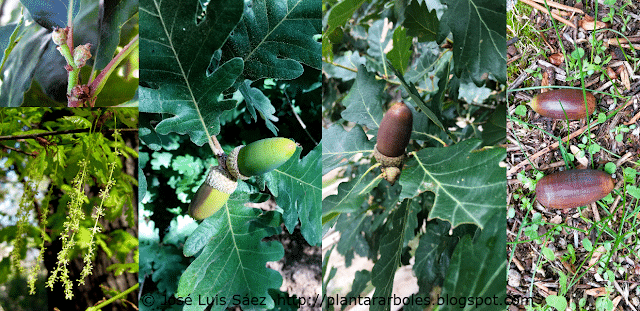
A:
[212,194]
[260,157]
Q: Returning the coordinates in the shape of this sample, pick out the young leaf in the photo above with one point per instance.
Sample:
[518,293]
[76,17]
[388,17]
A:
[233,261]
[175,53]
[467,194]
[401,52]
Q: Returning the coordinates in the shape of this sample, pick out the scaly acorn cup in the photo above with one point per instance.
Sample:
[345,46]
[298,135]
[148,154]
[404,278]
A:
[260,157]
[393,138]
[212,194]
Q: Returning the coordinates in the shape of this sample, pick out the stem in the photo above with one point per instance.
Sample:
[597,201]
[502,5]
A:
[99,82]
[64,50]
[114,298]
[73,79]
[70,14]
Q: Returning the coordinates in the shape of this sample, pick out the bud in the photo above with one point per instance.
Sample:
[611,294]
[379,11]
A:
[81,54]
[59,36]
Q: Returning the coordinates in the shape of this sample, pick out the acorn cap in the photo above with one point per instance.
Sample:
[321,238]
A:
[212,194]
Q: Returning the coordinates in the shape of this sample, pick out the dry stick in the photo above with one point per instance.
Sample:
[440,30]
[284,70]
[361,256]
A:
[633,120]
[561,6]
[555,145]
[544,10]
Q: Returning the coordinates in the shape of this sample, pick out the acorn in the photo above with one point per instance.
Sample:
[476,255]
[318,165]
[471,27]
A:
[259,157]
[393,138]
[550,104]
[573,188]
[212,194]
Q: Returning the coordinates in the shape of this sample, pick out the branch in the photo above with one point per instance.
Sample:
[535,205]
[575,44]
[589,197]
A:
[34,136]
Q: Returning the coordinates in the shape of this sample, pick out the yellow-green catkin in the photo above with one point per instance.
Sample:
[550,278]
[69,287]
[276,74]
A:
[71,227]
[97,213]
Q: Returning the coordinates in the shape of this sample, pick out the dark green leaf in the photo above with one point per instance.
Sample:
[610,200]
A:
[338,146]
[484,276]
[365,102]
[297,186]
[470,193]
[479,38]
[421,22]
[275,36]
[21,65]
[50,13]
[495,130]
[233,260]
[391,246]
[256,100]
[115,14]
[175,53]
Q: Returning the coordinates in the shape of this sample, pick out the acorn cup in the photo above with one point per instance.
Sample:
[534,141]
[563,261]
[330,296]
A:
[212,194]
[393,138]
[257,158]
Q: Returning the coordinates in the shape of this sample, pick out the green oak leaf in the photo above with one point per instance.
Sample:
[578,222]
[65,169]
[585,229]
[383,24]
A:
[401,52]
[175,53]
[469,184]
[479,38]
[365,101]
[297,186]
[233,256]
[338,146]
[484,276]
[420,22]
[275,37]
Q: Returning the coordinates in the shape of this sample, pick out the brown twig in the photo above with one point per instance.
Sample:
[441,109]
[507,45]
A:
[560,6]
[544,10]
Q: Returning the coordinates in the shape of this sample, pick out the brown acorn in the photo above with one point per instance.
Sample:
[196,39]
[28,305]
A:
[550,104]
[573,188]
[393,138]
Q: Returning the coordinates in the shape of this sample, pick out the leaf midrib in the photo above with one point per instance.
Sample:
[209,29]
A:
[285,18]
[182,72]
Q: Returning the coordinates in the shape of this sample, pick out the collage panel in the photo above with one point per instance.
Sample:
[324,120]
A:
[414,192]
[230,115]
[572,154]
[68,216]
[69,53]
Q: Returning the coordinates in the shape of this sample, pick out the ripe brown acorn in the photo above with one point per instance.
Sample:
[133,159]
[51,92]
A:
[550,104]
[573,188]
[393,138]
